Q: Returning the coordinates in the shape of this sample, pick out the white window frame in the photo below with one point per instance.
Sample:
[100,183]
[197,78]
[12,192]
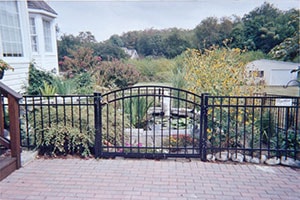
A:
[10,30]
[33,34]
[47,35]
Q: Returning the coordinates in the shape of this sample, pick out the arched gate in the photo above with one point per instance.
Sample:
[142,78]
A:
[149,122]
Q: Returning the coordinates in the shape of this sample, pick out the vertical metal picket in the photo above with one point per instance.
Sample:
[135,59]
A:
[98,124]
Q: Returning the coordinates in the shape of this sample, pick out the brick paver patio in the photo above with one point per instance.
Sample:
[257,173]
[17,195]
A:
[149,179]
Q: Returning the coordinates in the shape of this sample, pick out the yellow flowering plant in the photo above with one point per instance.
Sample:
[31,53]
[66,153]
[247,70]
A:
[222,73]
[219,71]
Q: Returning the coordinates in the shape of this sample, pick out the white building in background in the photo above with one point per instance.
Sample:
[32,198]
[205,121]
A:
[27,35]
[132,53]
[274,73]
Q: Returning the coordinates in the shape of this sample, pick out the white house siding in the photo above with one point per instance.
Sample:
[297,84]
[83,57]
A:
[44,60]
[18,78]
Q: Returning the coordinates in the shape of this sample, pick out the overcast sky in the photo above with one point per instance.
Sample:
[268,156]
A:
[105,18]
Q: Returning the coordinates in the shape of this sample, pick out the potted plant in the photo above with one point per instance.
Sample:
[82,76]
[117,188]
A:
[3,67]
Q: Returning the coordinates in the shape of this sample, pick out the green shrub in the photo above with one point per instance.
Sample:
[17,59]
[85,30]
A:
[116,73]
[61,140]
[63,130]
[83,83]
[36,79]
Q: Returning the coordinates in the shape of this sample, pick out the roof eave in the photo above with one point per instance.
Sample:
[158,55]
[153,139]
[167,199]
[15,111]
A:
[42,12]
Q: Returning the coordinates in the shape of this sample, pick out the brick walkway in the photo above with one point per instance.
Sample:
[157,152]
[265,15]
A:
[148,179]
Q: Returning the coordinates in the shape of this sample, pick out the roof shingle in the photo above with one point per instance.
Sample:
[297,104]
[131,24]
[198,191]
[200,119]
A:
[41,5]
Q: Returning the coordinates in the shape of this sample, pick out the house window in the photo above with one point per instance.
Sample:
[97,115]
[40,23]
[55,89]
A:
[10,30]
[47,36]
[33,35]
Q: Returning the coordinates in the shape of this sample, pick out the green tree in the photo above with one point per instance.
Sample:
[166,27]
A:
[116,40]
[175,43]
[288,49]
[150,43]
[108,51]
[65,43]
[207,32]
[130,39]
[237,35]
[86,37]
[212,31]
[261,28]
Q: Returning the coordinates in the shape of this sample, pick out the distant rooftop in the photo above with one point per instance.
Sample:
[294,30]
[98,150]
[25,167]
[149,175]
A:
[41,5]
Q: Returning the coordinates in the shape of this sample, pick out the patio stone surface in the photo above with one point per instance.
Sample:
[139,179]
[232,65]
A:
[141,179]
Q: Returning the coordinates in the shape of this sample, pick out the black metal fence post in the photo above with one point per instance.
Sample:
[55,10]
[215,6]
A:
[203,126]
[98,124]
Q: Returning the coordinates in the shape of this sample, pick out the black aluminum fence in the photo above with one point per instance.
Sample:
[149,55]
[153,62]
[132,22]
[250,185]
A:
[159,122]
[253,126]
[48,120]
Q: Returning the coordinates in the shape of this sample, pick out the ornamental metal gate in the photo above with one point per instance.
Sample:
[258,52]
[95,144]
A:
[161,122]
[149,122]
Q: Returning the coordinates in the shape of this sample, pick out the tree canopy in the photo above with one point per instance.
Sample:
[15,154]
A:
[265,28]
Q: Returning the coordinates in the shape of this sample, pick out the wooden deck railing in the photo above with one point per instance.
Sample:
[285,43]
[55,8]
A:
[13,99]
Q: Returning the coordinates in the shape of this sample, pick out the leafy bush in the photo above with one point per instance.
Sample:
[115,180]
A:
[289,140]
[83,83]
[62,140]
[63,130]
[44,83]
[80,61]
[116,73]
[36,79]
[230,125]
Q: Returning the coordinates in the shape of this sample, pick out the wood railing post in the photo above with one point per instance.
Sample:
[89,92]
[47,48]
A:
[14,120]
[14,128]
